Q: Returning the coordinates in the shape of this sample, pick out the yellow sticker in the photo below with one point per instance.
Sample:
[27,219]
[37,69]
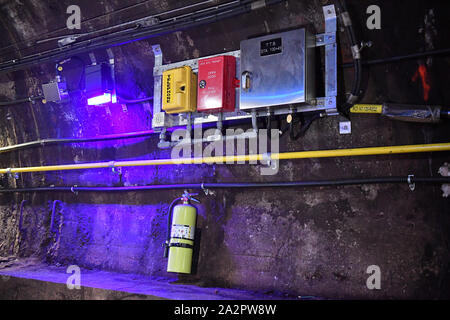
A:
[367,108]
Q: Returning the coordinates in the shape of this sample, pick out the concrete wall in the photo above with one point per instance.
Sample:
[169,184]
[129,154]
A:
[314,241]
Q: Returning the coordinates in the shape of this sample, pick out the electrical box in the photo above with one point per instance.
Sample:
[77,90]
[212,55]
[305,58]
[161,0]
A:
[55,91]
[277,70]
[179,90]
[216,84]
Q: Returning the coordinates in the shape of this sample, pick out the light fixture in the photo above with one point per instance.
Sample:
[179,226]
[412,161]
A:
[99,85]
[100,99]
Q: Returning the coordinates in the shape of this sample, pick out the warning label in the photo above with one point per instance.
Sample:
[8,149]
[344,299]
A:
[180,231]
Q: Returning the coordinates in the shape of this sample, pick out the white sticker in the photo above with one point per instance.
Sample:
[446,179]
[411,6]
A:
[345,127]
[182,232]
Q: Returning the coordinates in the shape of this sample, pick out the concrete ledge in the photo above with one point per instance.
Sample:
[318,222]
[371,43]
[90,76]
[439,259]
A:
[29,279]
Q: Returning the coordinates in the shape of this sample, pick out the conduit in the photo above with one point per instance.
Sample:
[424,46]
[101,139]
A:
[19,101]
[241,158]
[417,55]
[43,142]
[210,14]
[410,180]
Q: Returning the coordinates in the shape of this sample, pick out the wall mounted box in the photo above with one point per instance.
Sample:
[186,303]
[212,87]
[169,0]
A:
[179,90]
[216,80]
[277,70]
[55,91]
[98,79]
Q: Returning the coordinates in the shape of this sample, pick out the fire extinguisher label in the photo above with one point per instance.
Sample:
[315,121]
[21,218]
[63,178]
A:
[180,231]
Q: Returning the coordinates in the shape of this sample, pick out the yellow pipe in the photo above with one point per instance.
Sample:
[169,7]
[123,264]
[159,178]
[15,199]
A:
[241,158]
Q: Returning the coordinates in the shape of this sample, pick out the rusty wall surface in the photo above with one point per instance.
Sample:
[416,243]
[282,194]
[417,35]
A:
[312,241]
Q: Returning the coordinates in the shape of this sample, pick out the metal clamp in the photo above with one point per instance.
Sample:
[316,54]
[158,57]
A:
[412,185]
[207,191]
[114,169]
[72,189]
[267,157]
[10,174]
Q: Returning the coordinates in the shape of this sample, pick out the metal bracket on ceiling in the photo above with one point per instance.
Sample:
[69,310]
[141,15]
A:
[92,58]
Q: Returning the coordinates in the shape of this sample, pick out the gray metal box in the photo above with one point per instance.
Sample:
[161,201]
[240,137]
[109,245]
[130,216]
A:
[277,70]
[55,91]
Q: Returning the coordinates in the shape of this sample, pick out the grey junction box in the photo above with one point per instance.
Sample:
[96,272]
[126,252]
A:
[277,70]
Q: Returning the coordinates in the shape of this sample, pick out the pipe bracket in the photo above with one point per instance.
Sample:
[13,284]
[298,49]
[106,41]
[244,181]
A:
[72,189]
[412,185]
[207,191]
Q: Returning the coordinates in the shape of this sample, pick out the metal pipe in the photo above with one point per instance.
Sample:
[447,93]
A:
[241,158]
[236,185]
[43,142]
[52,220]
[22,204]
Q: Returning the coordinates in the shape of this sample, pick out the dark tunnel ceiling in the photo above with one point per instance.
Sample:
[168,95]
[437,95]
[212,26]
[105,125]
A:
[24,22]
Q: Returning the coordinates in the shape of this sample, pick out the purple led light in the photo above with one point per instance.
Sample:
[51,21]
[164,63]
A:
[97,100]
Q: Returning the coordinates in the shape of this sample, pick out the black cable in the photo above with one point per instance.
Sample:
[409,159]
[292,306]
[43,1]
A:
[239,185]
[44,142]
[355,94]
[400,58]
[140,100]
[305,121]
[169,226]
[19,101]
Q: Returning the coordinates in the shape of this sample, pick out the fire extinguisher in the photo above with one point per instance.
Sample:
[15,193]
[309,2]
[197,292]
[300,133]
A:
[179,246]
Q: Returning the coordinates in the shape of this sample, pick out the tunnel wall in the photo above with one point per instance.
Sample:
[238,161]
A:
[302,241]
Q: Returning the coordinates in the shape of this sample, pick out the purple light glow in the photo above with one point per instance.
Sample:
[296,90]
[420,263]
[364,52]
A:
[97,100]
